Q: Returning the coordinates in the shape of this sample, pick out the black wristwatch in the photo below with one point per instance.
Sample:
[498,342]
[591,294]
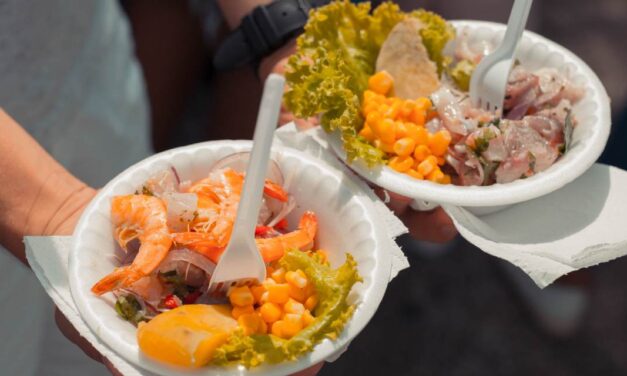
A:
[263,31]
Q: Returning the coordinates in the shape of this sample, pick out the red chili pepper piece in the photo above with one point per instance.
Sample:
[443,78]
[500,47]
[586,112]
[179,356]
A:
[262,230]
[170,302]
[191,297]
[281,225]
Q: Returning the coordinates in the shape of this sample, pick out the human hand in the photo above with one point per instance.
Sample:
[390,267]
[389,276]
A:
[433,226]
[66,227]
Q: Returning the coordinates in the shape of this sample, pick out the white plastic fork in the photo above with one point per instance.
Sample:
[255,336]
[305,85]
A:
[241,262]
[489,80]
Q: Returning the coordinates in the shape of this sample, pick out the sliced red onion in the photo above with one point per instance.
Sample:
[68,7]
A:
[287,209]
[162,183]
[239,162]
[183,254]
[181,209]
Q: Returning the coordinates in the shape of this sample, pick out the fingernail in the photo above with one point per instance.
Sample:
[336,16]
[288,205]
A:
[448,231]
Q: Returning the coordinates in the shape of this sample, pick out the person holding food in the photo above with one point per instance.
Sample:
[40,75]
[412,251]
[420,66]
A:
[72,83]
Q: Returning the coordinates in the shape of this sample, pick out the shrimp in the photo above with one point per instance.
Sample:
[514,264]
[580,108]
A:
[218,198]
[144,216]
[271,249]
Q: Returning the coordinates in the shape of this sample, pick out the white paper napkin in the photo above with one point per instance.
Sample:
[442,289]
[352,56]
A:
[580,225]
[49,256]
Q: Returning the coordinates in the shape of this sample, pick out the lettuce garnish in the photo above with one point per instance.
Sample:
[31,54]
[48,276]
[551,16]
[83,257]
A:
[336,55]
[332,313]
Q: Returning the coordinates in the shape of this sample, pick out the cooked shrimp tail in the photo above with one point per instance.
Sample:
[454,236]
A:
[119,278]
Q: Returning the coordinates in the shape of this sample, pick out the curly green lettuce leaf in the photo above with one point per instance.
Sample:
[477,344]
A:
[435,35]
[337,54]
[332,313]
[460,73]
[328,74]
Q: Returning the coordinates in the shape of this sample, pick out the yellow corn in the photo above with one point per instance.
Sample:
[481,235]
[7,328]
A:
[296,278]
[236,312]
[401,164]
[381,82]
[263,327]
[279,275]
[311,302]
[307,318]
[421,153]
[415,174]
[407,108]
[424,103]
[404,147]
[384,129]
[436,175]
[250,323]
[297,293]
[279,293]
[293,323]
[241,296]
[388,148]
[270,312]
[367,133]
[425,167]
[277,328]
[257,292]
[400,130]
[439,141]
[418,134]
[292,306]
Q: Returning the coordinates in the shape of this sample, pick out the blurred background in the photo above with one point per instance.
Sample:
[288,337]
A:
[457,310]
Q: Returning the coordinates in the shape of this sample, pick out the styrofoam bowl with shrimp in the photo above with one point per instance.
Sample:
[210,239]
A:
[347,222]
[588,139]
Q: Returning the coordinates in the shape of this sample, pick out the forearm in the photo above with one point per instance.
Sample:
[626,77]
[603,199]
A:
[37,194]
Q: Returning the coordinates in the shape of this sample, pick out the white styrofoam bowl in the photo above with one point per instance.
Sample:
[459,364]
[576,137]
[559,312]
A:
[589,137]
[347,223]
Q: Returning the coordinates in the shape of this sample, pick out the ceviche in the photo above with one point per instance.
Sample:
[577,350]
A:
[397,95]
[171,235]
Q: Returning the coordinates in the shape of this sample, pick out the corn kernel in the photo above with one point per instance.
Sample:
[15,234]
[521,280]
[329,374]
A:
[264,297]
[404,147]
[309,290]
[367,133]
[296,278]
[381,82]
[249,322]
[311,302]
[400,130]
[293,323]
[418,116]
[236,312]
[415,174]
[438,142]
[279,275]
[427,166]
[401,164]
[292,306]
[418,134]
[263,327]
[257,291]
[385,130]
[307,318]
[407,109]
[277,328]
[441,161]
[394,111]
[373,118]
[436,175]
[241,296]
[446,179]
[297,293]
[369,95]
[270,312]
[279,293]
[388,148]
[424,103]
[421,153]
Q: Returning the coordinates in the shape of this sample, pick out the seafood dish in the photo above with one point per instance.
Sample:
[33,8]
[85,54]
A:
[171,234]
[394,87]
